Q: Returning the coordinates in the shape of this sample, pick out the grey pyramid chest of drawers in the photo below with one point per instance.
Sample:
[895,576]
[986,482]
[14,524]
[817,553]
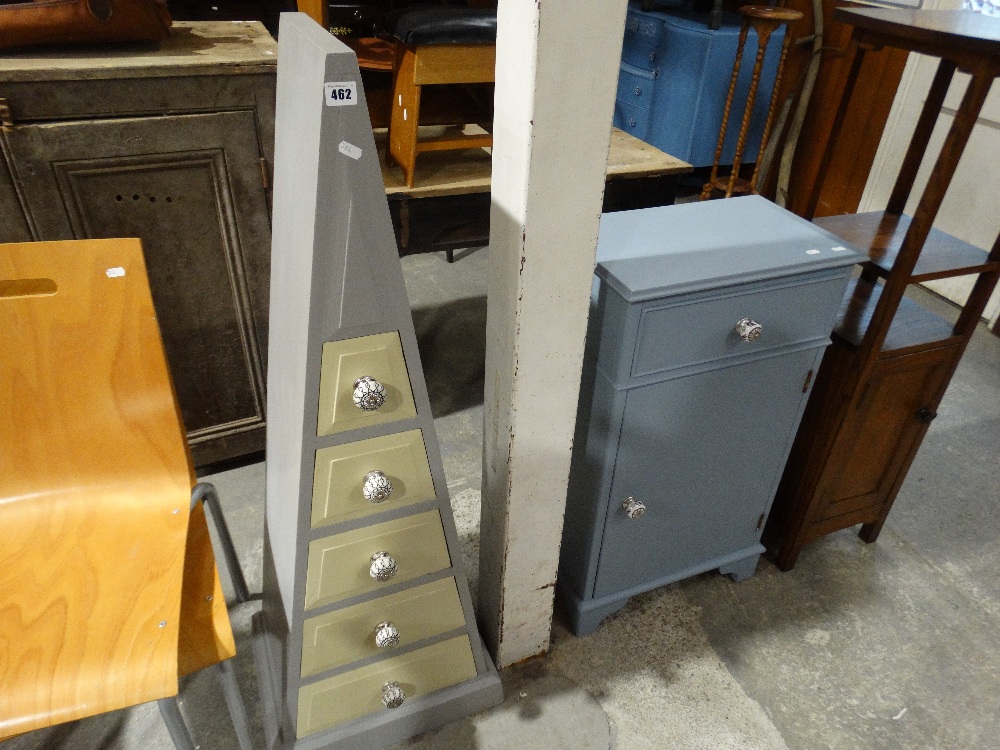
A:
[707,324]
[366,635]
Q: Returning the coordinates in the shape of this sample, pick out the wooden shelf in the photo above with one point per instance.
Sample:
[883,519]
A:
[914,327]
[943,255]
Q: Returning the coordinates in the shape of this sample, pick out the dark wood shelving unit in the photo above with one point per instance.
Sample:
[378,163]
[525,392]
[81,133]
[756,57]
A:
[913,327]
[942,256]
[891,359]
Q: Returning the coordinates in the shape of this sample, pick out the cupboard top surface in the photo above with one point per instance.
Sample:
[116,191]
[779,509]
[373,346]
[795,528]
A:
[654,252]
[193,48]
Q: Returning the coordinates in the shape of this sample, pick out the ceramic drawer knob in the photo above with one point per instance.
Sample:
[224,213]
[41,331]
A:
[386,635]
[633,508]
[749,330]
[377,487]
[369,394]
[392,695]
[383,567]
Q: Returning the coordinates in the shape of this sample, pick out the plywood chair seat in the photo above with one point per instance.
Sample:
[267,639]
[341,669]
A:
[108,583]
[436,46]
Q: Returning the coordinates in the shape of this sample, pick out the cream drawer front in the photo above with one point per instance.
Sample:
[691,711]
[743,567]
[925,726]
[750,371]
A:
[339,565]
[339,482]
[346,635]
[344,362]
[329,702]
[686,333]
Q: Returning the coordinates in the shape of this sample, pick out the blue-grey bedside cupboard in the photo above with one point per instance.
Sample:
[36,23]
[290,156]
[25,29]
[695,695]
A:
[707,324]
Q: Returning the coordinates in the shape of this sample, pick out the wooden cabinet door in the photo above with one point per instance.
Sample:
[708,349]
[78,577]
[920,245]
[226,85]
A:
[882,433]
[704,453]
[190,187]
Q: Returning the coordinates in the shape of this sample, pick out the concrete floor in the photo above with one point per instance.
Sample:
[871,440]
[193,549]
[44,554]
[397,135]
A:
[891,645]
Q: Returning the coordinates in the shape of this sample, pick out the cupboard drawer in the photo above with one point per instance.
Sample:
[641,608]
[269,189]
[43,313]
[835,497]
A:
[344,362]
[329,702]
[339,478]
[701,330]
[346,635]
[643,32]
[339,564]
[635,86]
[632,119]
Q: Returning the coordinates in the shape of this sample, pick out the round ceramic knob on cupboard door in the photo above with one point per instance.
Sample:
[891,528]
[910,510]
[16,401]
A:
[383,567]
[749,330]
[392,695]
[386,635]
[369,394]
[377,487]
[633,508]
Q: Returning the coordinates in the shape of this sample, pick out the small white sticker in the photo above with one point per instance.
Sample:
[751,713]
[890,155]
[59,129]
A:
[838,249]
[114,273]
[812,252]
[341,93]
[349,149]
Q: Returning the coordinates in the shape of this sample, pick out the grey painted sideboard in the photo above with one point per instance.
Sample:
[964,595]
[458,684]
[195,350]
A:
[171,143]
[366,635]
[707,324]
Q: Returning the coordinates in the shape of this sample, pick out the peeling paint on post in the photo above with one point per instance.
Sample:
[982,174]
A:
[557,70]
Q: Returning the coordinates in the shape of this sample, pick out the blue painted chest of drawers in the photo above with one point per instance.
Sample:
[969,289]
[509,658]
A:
[707,324]
[675,75]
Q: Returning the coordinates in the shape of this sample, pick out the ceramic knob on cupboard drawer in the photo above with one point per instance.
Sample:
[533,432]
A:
[392,695]
[749,330]
[383,567]
[369,394]
[633,508]
[386,635]
[377,487]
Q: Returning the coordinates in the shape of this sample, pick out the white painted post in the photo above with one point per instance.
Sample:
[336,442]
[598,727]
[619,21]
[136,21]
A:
[557,68]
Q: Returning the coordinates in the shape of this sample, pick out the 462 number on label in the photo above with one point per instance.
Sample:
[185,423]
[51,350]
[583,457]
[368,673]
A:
[341,93]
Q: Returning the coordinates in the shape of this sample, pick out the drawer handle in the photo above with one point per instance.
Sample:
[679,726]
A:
[638,91]
[377,487]
[392,695]
[631,122]
[369,394]
[383,567]
[634,508]
[749,330]
[386,635]
[652,56]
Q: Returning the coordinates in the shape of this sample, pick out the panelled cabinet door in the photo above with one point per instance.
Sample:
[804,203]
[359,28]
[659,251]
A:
[704,475]
[901,399]
[190,187]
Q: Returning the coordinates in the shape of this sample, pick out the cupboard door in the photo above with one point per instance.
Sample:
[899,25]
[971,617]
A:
[190,188]
[704,454]
[881,435]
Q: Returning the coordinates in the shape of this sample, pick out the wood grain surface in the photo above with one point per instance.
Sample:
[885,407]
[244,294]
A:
[95,482]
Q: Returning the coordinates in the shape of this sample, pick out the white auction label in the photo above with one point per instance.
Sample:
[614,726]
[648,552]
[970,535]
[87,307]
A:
[349,149]
[341,93]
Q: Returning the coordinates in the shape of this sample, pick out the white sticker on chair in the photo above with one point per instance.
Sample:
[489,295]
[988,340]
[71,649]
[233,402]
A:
[349,149]
[341,93]
[116,272]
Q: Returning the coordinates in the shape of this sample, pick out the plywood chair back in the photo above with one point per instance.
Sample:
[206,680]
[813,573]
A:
[95,486]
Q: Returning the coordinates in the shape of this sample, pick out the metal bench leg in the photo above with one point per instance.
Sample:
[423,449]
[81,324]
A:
[234,699]
[179,733]
[206,493]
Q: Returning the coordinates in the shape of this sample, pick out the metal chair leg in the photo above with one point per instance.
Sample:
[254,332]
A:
[206,493]
[234,699]
[179,733]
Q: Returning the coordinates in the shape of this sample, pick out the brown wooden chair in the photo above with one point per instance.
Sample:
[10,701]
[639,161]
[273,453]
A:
[436,46]
[108,584]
